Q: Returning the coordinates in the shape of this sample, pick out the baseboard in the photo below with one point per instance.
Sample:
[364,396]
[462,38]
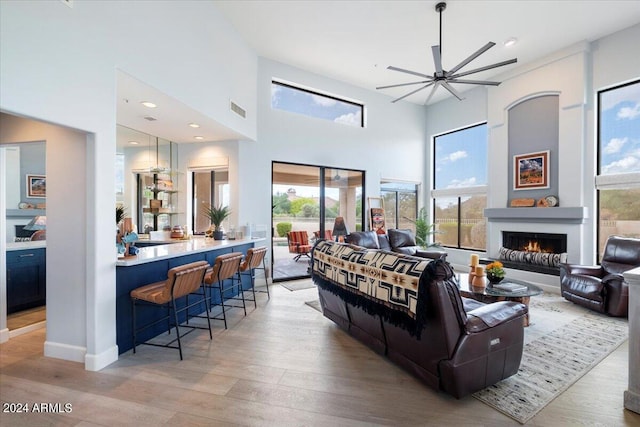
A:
[95,362]
[4,335]
[26,329]
[72,353]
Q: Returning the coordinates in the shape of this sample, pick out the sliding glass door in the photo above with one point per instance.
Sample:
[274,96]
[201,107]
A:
[310,201]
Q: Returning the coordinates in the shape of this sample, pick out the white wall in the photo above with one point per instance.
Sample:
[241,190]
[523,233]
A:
[390,146]
[58,64]
[67,244]
[574,73]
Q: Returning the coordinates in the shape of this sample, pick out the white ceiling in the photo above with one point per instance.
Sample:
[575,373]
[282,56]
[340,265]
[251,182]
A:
[354,41]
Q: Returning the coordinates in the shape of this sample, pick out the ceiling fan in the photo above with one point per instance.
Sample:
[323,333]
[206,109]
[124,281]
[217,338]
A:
[445,78]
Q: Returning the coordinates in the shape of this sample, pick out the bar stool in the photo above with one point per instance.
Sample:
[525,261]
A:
[226,268]
[181,282]
[252,261]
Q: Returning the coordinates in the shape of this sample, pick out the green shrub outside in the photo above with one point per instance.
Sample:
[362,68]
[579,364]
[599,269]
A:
[283,228]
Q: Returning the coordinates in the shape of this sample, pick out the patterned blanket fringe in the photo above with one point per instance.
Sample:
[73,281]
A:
[372,307]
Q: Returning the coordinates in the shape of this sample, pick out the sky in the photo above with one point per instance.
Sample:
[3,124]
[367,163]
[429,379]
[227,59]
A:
[457,155]
[620,130]
[299,101]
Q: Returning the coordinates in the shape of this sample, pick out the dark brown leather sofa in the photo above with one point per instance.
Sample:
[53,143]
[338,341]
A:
[453,344]
[602,287]
[396,240]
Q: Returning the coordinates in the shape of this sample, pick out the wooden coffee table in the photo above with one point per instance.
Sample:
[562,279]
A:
[489,294]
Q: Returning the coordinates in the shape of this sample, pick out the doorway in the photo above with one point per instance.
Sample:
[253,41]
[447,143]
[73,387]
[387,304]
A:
[311,200]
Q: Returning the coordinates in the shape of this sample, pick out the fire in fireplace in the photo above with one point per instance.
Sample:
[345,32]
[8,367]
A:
[534,242]
[545,251]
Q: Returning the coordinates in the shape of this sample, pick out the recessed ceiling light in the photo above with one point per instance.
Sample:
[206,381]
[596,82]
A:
[510,41]
[194,125]
[198,137]
[149,104]
[134,142]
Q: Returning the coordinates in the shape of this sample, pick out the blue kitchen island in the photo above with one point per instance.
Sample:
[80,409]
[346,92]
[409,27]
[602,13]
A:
[151,265]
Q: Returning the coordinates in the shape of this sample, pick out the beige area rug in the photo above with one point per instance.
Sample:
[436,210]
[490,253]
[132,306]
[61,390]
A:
[563,343]
[315,304]
[298,285]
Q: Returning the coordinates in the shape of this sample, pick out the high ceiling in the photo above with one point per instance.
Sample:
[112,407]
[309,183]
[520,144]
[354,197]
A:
[355,40]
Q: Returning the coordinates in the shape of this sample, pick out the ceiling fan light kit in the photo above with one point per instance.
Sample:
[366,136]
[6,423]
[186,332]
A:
[443,77]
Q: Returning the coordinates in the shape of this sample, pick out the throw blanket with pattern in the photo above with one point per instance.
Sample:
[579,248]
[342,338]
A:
[386,284]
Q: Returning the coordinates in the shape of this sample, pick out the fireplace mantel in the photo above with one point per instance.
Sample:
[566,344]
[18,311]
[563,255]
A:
[558,215]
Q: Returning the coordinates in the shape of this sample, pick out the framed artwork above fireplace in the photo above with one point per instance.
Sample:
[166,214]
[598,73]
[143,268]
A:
[531,171]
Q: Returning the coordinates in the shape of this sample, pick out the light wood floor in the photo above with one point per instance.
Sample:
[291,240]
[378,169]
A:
[284,364]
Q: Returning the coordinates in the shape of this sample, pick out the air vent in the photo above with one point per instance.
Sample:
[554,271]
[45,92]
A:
[149,118]
[238,110]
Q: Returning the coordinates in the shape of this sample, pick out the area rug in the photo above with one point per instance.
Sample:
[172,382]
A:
[298,285]
[563,343]
[315,304]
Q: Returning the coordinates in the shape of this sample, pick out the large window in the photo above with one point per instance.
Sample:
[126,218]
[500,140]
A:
[460,186]
[400,204]
[618,180]
[287,97]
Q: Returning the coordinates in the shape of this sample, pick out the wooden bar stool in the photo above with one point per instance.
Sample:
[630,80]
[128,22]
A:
[181,282]
[255,260]
[226,269]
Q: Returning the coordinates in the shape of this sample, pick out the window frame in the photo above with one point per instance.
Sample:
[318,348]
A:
[620,181]
[315,92]
[457,192]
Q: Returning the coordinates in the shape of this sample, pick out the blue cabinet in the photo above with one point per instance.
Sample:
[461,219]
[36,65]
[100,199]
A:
[26,279]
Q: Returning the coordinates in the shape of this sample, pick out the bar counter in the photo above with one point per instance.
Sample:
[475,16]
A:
[151,265]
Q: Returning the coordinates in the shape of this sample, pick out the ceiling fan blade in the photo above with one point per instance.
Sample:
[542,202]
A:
[488,67]
[435,86]
[475,82]
[437,60]
[412,92]
[479,52]
[402,84]
[450,88]
[402,70]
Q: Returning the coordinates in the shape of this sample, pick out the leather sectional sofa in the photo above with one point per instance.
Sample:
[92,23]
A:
[410,310]
[396,240]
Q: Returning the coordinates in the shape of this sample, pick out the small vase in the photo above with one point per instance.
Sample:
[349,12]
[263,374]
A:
[218,235]
[478,282]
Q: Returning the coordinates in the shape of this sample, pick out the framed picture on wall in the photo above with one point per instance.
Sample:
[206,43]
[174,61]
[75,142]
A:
[36,186]
[531,171]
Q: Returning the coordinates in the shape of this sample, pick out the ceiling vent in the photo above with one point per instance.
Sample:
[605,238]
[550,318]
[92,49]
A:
[149,118]
[238,110]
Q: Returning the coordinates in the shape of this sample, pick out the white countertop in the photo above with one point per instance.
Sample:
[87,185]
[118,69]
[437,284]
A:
[186,247]
[21,246]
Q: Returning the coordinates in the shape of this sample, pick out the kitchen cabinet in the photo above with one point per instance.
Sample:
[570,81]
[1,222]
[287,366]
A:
[26,279]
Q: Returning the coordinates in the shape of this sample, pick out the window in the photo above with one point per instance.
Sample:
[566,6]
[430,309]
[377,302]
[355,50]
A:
[400,204]
[287,97]
[618,180]
[460,186]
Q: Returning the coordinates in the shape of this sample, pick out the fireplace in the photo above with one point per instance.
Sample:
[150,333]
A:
[534,242]
[537,252]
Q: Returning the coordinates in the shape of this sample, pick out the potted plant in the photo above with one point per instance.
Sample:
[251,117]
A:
[217,214]
[424,229]
[495,272]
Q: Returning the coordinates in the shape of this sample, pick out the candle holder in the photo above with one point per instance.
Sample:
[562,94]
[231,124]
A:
[472,273]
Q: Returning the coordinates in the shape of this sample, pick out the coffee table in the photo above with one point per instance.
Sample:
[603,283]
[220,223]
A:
[489,294]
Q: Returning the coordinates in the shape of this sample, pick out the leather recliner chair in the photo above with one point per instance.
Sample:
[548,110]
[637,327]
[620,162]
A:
[603,288]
